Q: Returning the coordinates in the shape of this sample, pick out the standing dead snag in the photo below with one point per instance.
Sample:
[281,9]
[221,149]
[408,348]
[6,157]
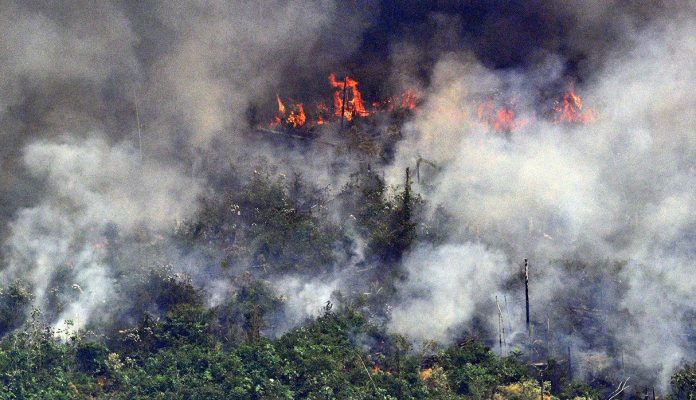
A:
[541,368]
[407,188]
[501,326]
[526,293]
[507,312]
[343,104]
[623,385]
[548,336]
[137,121]
[406,205]
[418,164]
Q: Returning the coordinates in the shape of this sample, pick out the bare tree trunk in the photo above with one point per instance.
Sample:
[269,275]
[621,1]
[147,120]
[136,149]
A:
[343,105]
[526,293]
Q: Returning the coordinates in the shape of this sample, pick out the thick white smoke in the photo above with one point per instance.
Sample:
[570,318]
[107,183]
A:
[90,186]
[619,189]
[168,86]
[304,298]
[445,288]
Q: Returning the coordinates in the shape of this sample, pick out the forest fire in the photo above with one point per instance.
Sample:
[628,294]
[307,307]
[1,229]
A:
[295,118]
[502,116]
[343,104]
[499,117]
[348,104]
[570,109]
[409,100]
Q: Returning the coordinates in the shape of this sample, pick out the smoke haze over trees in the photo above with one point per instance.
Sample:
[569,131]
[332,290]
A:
[140,184]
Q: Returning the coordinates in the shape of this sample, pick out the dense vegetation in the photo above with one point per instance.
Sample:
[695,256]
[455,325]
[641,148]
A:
[160,339]
[339,355]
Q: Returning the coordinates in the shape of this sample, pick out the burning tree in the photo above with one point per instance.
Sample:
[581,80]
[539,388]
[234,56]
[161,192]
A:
[296,118]
[348,104]
[570,109]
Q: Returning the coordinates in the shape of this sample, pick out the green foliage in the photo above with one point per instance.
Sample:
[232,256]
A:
[188,372]
[684,383]
[319,361]
[187,324]
[168,291]
[528,389]
[33,364]
[244,314]
[387,219]
[340,355]
[283,232]
[162,342]
[90,357]
[575,390]
[270,224]
[14,301]
[475,370]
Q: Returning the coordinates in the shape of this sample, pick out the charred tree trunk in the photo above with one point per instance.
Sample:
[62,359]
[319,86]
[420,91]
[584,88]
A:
[345,97]
[526,293]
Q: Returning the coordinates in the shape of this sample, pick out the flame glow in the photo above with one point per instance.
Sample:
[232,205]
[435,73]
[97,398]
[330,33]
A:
[354,106]
[281,106]
[499,117]
[295,118]
[570,110]
[354,103]
[409,100]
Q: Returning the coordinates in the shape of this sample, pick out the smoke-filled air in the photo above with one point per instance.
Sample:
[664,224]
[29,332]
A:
[348,199]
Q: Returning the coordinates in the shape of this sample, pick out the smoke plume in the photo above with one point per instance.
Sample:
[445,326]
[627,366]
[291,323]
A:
[117,116]
[615,196]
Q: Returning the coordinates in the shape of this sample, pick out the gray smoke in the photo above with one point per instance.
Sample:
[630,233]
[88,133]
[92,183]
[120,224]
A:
[90,187]
[115,116]
[620,190]
[446,287]
[111,114]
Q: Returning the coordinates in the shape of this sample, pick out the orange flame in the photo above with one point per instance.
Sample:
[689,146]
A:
[354,105]
[407,101]
[322,108]
[500,118]
[281,106]
[570,109]
[296,118]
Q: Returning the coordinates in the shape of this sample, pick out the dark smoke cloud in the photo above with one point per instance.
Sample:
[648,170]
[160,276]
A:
[504,35]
